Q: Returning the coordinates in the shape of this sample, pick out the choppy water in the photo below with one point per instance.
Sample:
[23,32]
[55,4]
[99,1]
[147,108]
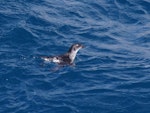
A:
[112,74]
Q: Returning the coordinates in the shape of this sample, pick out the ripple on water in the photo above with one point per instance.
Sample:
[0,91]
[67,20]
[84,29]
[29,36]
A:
[111,74]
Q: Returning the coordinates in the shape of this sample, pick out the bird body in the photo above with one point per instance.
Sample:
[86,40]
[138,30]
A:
[67,58]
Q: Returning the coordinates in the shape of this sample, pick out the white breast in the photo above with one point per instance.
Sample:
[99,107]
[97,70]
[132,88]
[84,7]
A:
[73,55]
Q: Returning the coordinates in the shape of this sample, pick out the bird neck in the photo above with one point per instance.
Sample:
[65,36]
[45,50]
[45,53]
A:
[72,55]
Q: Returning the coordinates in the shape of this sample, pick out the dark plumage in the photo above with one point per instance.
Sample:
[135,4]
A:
[67,58]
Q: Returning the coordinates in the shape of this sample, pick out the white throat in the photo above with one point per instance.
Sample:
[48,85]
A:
[73,55]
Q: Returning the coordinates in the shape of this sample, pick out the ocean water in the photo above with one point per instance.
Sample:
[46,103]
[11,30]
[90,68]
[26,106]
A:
[111,74]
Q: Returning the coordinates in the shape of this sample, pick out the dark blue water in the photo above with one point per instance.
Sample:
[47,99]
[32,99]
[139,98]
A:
[111,75]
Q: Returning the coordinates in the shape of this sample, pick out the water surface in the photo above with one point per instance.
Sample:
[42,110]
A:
[111,75]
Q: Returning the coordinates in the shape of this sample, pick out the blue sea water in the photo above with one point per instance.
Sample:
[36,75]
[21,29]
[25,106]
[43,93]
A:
[111,75]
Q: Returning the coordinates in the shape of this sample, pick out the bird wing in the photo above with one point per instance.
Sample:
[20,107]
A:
[47,58]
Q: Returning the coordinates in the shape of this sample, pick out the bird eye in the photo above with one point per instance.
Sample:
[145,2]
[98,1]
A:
[77,45]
